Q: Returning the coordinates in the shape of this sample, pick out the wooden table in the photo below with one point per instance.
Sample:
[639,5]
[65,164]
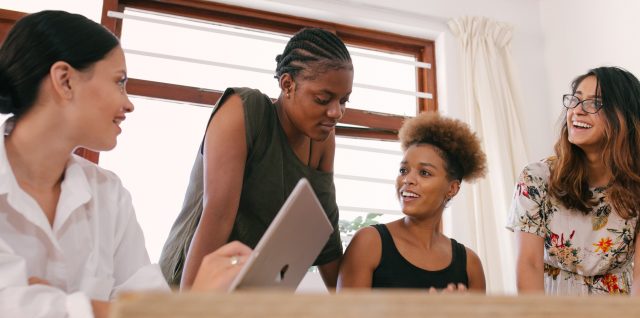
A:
[375,304]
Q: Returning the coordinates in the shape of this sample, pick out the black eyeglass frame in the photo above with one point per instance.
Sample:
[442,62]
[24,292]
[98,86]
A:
[565,97]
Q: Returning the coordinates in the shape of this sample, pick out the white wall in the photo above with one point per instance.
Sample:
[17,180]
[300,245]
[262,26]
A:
[583,34]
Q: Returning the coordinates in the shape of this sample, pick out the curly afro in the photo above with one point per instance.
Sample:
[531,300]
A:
[458,145]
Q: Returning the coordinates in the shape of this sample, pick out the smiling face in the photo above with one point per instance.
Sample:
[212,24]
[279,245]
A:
[315,105]
[585,130]
[423,185]
[101,101]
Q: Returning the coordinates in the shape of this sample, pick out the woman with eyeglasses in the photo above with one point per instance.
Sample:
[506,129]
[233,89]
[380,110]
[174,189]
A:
[575,213]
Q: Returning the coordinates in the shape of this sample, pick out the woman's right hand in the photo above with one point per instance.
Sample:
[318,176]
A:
[451,288]
[220,268]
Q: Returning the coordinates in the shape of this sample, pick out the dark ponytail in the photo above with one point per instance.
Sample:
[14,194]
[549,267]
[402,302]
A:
[39,40]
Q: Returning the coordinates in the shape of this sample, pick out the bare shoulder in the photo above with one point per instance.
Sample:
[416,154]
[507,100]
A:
[227,127]
[229,112]
[471,255]
[367,235]
[475,272]
[365,246]
[360,259]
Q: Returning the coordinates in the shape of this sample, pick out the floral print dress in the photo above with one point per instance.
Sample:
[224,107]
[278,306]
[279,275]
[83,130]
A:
[583,254]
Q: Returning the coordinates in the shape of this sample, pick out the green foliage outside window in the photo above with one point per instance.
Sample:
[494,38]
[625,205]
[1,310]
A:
[349,228]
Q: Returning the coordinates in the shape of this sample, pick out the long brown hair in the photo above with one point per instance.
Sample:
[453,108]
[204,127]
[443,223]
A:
[619,92]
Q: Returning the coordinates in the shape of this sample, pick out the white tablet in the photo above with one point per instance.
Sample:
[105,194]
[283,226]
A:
[288,248]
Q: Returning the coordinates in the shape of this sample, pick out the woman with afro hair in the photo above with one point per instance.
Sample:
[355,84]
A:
[412,252]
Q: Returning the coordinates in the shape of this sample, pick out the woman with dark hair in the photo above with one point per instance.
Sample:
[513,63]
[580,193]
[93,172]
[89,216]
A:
[69,239]
[412,252]
[255,151]
[575,214]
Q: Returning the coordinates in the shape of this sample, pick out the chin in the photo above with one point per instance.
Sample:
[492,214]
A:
[320,137]
[102,146]
[407,211]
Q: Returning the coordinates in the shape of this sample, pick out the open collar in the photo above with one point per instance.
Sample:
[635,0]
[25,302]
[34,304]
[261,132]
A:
[75,191]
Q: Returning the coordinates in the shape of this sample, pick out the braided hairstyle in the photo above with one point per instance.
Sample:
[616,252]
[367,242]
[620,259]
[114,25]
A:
[311,51]
[39,40]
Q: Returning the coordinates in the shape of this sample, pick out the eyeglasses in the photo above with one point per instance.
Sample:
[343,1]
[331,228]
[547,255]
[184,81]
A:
[590,106]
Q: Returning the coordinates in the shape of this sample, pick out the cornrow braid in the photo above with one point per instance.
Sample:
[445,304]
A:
[312,45]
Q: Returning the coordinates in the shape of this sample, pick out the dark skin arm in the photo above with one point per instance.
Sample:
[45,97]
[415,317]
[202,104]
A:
[225,152]
[475,272]
[360,260]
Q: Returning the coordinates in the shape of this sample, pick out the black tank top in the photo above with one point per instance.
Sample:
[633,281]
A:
[394,271]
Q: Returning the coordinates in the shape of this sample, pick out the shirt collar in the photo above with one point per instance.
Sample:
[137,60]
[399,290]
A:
[75,186]
[75,191]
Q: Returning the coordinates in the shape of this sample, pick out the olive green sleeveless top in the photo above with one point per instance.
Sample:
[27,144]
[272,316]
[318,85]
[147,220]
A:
[271,172]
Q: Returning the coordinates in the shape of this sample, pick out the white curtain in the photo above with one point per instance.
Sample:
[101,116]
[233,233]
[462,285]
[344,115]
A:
[491,100]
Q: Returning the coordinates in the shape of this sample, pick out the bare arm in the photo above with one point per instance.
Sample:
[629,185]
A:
[360,260]
[635,286]
[529,262]
[475,272]
[225,152]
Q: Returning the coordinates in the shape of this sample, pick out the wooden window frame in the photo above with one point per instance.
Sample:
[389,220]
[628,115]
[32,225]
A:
[374,125]
[371,124]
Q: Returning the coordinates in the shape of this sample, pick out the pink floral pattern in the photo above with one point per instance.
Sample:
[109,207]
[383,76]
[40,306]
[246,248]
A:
[584,254]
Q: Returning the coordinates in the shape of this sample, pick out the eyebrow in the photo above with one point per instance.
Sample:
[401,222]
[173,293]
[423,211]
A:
[326,92]
[424,164]
[590,96]
[332,94]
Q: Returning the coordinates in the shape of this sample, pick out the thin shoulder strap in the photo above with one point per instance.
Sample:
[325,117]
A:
[459,257]
[383,231]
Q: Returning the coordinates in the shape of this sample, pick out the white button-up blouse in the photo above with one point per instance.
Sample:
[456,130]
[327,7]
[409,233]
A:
[94,250]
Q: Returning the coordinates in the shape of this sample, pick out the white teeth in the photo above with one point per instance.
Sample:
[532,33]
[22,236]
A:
[581,124]
[409,194]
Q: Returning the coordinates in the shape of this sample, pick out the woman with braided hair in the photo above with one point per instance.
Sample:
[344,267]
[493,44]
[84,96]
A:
[412,252]
[254,152]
